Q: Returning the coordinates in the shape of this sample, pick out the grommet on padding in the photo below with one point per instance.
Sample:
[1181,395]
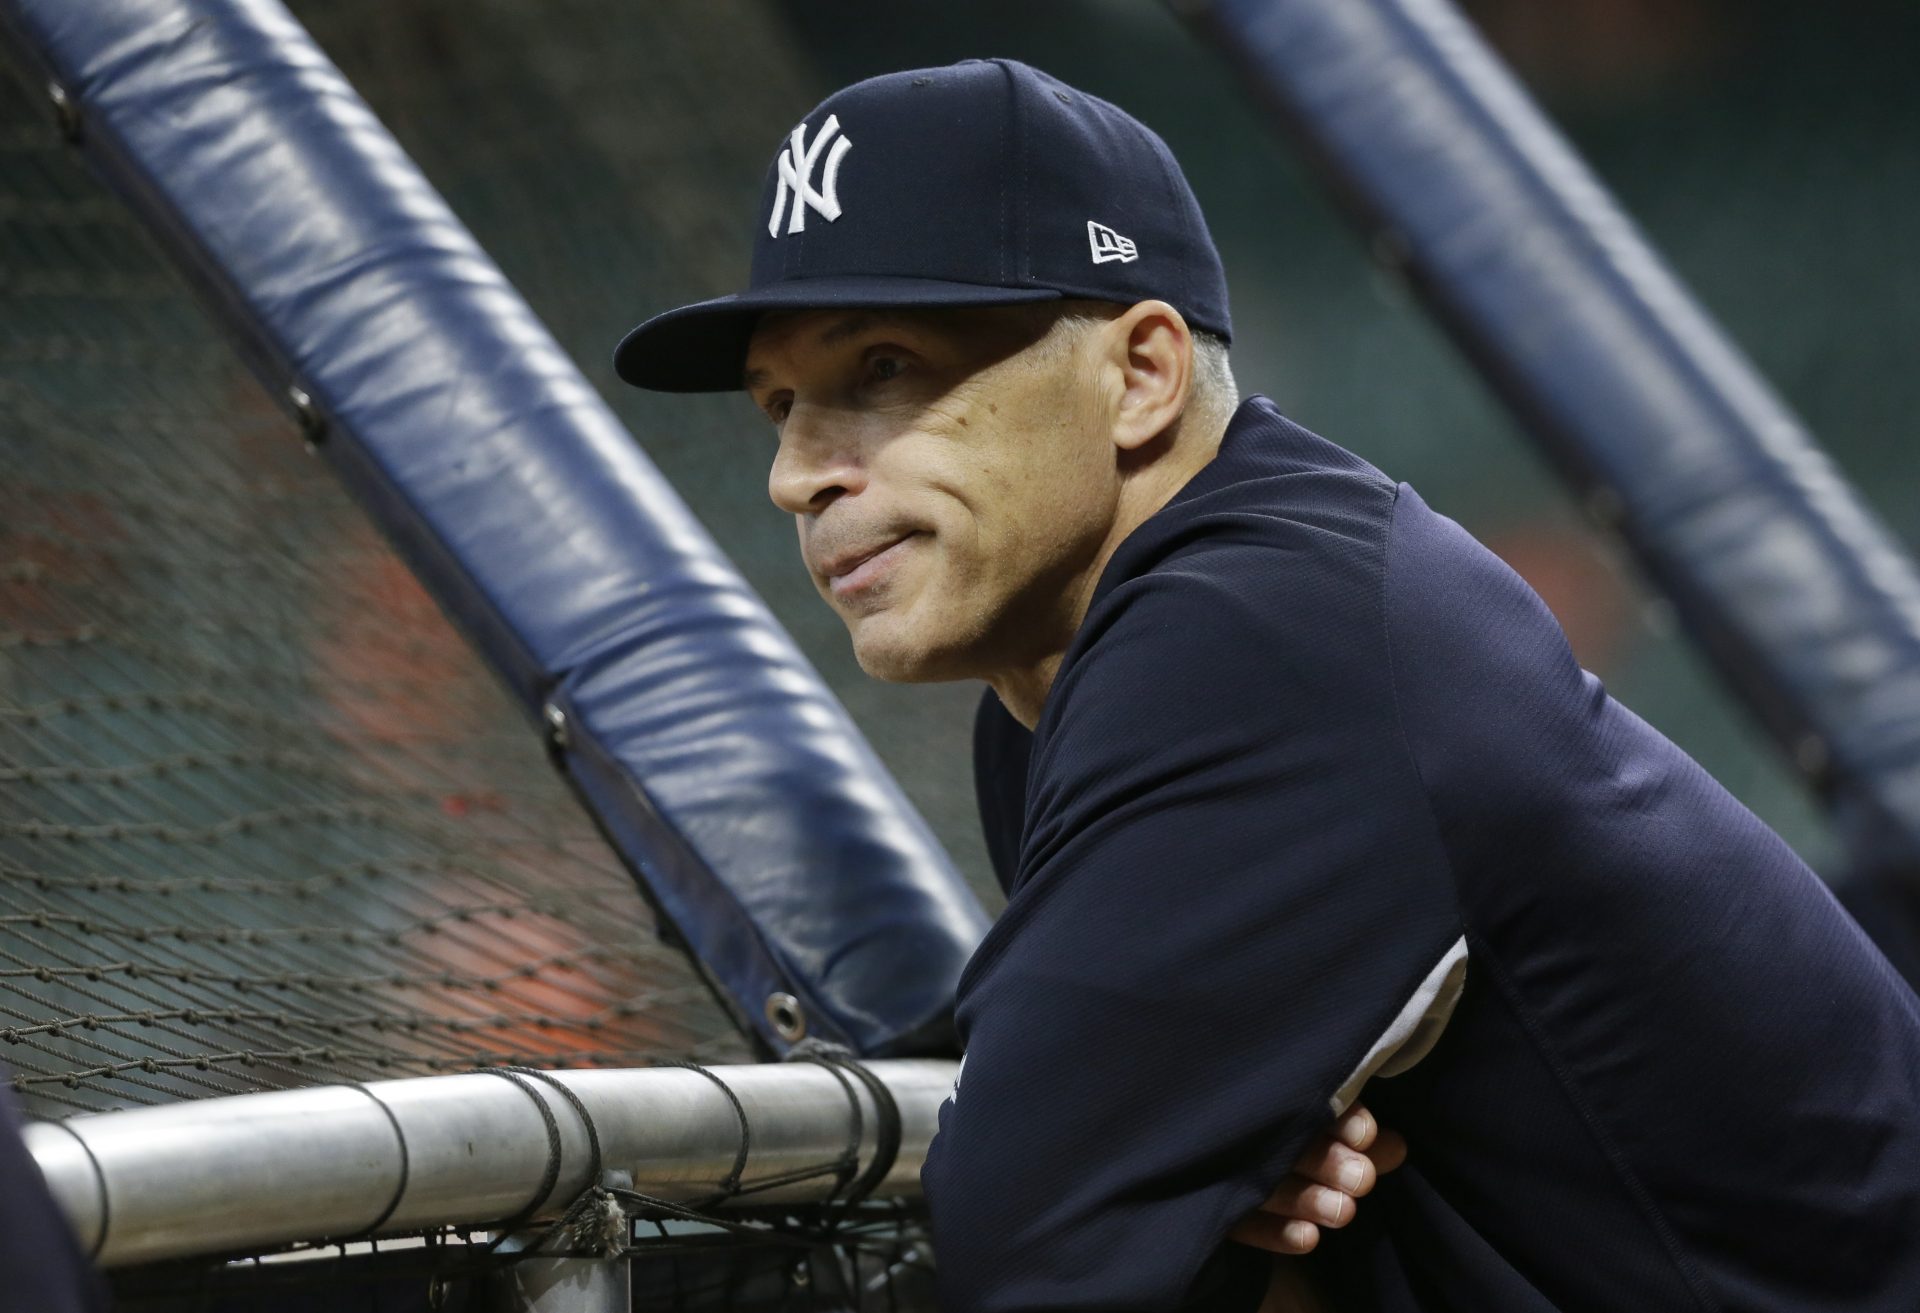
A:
[788,1019]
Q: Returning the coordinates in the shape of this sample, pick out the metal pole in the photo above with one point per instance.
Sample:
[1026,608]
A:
[577,1283]
[571,1285]
[257,1170]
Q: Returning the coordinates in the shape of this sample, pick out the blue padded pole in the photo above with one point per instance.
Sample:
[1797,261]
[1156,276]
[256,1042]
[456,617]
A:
[1803,601]
[729,779]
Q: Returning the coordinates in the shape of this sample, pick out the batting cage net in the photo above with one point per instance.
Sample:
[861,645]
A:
[266,821]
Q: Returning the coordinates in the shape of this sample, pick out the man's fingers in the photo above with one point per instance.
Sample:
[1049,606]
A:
[1388,1152]
[1276,1235]
[1325,1185]
[1334,1165]
[1356,1128]
[1309,1201]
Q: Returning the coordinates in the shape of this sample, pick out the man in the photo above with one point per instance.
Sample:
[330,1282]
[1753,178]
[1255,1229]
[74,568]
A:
[1295,789]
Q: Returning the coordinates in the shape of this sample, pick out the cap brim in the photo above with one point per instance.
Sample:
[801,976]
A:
[703,347]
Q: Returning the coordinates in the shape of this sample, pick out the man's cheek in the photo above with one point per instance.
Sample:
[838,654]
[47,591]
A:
[941,585]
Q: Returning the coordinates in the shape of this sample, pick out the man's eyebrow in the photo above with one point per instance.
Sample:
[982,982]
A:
[838,331]
[842,329]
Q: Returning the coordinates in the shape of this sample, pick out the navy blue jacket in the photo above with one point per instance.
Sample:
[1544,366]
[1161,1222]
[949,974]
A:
[1317,768]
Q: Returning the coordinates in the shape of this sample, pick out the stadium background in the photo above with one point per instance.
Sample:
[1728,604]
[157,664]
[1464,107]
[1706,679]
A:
[264,820]
[609,157]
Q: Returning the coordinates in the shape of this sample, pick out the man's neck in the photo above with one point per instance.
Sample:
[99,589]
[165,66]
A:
[1023,689]
[1023,692]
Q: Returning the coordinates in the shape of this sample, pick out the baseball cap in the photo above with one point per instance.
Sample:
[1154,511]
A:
[986,182]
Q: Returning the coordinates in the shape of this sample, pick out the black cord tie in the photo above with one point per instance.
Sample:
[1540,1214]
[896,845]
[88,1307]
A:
[597,1222]
[551,1175]
[731,1186]
[839,1058]
[595,1167]
[406,1164]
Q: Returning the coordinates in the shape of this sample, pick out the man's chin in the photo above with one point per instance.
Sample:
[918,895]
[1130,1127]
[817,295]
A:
[898,658]
[897,667]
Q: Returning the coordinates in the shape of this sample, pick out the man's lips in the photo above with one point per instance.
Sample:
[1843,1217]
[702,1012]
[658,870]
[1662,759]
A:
[850,571]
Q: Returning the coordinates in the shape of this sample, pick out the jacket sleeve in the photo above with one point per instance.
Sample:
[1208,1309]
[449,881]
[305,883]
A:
[1230,891]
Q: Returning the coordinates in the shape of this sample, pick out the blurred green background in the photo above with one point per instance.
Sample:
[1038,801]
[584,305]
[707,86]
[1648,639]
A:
[609,155]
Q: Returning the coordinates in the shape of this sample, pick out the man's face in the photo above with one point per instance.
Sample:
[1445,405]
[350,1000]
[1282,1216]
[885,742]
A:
[950,475]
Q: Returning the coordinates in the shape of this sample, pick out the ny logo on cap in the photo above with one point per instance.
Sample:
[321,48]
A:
[796,174]
[1109,245]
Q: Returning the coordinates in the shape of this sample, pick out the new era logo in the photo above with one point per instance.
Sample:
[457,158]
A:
[1109,245]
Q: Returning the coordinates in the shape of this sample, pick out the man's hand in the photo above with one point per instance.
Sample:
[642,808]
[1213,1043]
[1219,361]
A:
[1324,1186]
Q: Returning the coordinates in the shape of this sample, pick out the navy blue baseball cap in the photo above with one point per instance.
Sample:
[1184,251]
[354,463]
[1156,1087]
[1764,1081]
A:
[981,183]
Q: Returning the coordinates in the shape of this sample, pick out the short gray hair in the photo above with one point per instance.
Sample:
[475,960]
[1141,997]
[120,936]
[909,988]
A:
[1214,395]
[1215,392]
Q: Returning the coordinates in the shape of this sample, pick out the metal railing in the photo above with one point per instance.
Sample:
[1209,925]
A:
[255,1171]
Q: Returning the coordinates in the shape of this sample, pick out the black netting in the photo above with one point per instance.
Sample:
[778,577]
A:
[881,1262]
[264,820]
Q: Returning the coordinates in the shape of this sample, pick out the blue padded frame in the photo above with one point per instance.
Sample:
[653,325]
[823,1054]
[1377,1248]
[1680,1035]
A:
[727,776]
[1804,602]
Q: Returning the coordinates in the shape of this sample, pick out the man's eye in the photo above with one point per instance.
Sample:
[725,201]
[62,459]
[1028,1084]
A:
[778,408]
[882,368]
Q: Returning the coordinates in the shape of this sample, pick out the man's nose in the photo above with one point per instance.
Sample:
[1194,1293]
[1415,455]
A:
[817,462]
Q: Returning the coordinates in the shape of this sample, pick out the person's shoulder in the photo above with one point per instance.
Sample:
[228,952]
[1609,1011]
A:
[1257,592]
[1274,485]
[1281,539]
[1460,617]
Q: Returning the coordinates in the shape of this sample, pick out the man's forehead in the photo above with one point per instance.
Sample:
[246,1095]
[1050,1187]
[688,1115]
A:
[778,330]
[827,326]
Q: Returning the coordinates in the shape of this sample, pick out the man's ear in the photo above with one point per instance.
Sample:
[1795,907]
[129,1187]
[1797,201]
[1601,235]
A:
[1151,349]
